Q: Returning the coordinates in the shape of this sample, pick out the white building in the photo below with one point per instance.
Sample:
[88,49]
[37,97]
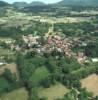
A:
[94,60]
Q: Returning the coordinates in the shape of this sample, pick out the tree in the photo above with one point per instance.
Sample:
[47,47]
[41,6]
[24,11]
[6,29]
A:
[84,95]
[96,98]
[72,95]
[51,64]
[33,94]
[9,76]
[46,82]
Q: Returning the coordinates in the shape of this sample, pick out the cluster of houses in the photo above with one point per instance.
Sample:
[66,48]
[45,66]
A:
[30,40]
[63,45]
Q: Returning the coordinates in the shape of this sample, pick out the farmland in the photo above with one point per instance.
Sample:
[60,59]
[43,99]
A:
[91,83]
[54,92]
[48,52]
[19,94]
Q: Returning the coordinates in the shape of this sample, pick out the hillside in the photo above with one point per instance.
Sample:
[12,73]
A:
[24,4]
[3,4]
[79,2]
[20,4]
[36,3]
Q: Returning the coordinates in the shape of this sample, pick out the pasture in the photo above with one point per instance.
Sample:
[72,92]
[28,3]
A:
[20,94]
[40,74]
[54,92]
[91,83]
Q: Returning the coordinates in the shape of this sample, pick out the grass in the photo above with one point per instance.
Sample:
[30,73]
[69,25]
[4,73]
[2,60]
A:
[3,39]
[5,51]
[91,83]
[20,94]
[3,84]
[40,73]
[54,92]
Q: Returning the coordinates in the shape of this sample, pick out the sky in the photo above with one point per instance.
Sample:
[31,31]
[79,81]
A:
[45,1]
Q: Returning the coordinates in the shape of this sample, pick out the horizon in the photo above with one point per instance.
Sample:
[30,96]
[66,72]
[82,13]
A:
[29,1]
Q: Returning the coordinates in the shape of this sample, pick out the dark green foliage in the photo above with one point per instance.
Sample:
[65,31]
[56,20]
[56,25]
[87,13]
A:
[9,76]
[10,32]
[36,28]
[44,70]
[92,50]
[33,94]
[96,98]
[4,85]
[80,95]
[84,95]
[47,82]
[3,4]
[51,64]
[8,83]
[75,29]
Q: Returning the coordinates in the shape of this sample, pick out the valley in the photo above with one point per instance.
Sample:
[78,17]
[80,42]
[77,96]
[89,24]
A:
[49,51]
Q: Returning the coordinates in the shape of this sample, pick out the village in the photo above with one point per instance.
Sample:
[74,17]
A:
[52,42]
[48,52]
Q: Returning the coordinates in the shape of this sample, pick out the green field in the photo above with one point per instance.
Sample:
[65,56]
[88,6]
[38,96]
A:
[20,94]
[5,52]
[54,92]
[5,38]
[40,73]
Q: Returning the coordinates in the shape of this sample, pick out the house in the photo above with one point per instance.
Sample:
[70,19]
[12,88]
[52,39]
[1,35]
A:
[81,57]
[94,60]
[30,40]
[2,63]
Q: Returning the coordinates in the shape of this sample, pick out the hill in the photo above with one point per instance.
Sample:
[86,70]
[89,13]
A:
[20,4]
[3,4]
[24,4]
[36,3]
[79,2]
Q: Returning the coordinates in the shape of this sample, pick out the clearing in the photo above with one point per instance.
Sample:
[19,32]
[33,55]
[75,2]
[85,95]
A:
[12,67]
[5,52]
[20,94]
[54,92]
[91,83]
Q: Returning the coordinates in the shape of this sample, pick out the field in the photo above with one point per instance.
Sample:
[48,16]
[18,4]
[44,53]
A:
[3,39]
[5,52]
[40,73]
[54,92]
[20,94]
[91,83]
[12,67]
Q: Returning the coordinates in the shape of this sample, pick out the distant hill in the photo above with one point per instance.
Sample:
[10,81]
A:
[24,4]
[79,2]
[37,3]
[4,4]
[20,4]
